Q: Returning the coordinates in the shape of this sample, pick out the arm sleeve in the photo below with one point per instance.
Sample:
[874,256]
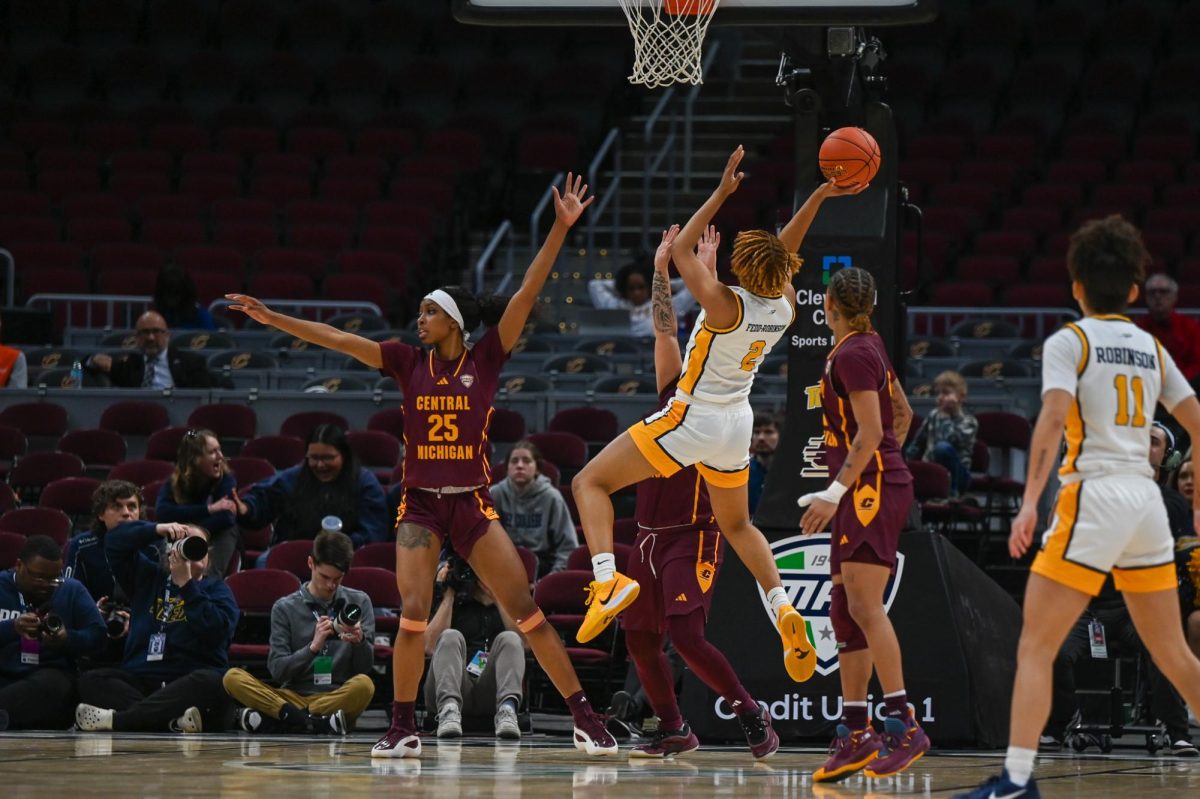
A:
[87,634]
[284,663]
[20,373]
[122,546]
[604,295]
[373,514]
[1175,387]
[213,614]
[1060,361]
[398,361]
[561,531]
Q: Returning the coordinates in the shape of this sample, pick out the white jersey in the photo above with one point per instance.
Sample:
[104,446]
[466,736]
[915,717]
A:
[719,365]
[1117,374]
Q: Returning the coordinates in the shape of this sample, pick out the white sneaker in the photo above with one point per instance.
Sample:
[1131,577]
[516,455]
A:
[189,722]
[449,721]
[1184,748]
[506,723]
[93,719]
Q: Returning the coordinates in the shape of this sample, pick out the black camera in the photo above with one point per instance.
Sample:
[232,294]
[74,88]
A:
[344,615]
[50,625]
[460,576]
[114,622]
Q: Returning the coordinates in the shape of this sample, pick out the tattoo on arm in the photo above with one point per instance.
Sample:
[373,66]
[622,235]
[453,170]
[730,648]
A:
[661,308]
[410,536]
[901,419]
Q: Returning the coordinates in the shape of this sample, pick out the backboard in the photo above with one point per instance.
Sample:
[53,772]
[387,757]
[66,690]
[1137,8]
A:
[729,12]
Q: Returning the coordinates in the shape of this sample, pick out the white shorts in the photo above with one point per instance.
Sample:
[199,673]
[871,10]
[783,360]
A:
[714,438]
[1116,523]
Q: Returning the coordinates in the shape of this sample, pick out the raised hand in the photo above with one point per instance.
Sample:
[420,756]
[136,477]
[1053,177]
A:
[173,531]
[731,178]
[706,250]
[569,206]
[250,306]
[832,188]
[662,256]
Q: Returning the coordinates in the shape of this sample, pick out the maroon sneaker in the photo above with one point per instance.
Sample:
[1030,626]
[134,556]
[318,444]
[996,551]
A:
[760,734]
[668,743]
[904,743]
[591,735]
[849,753]
[397,743]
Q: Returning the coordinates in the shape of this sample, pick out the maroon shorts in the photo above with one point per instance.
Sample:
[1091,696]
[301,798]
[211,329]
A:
[867,525]
[676,570]
[464,518]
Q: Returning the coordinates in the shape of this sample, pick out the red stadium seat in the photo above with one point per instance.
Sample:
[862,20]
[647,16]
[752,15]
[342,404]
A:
[32,472]
[134,417]
[589,423]
[172,233]
[291,556]
[507,426]
[281,451]
[72,496]
[357,288]
[227,420]
[10,549]
[565,450]
[319,142]
[142,472]
[37,521]
[99,450]
[300,425]
[379,555]
[201,259]
[391,420]
[375,449]
[163,445]
[1050,295]
[36,418]
[281,286]
[256,592]
[250,470]
[325,240]
[246,237]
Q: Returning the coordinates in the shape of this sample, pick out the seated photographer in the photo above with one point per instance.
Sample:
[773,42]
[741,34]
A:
[478,664]
[533,512]
[177,649]
[329,482]
[200,492]
[322,651]
[46,622]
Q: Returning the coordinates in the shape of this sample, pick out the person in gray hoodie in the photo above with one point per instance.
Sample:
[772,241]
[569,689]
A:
[532,510]
[320,657]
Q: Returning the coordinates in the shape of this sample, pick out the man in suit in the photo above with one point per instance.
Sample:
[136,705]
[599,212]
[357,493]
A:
[154,364]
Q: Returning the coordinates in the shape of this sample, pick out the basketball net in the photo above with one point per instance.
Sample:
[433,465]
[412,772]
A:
[667,36]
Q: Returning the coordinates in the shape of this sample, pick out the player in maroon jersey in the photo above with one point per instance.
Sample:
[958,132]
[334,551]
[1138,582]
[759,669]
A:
[866,416]
[675,560]
[448,393]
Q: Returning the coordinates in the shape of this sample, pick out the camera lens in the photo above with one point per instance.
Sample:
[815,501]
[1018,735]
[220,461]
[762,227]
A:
[52,624]
[194,547]
[114,624]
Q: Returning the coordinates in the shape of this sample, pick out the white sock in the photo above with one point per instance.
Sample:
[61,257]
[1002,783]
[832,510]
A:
[604,566]
[1019,765]
[778,598]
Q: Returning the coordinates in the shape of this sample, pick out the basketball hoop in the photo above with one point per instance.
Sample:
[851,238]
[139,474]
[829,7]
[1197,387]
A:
[667,36]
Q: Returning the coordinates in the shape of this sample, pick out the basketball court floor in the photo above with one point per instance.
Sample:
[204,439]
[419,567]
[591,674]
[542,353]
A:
[122,766]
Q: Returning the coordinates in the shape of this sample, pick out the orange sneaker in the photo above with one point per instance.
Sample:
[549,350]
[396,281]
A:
[605,601]
[799,658]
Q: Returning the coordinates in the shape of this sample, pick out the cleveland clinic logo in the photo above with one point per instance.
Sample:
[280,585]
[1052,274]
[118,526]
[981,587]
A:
[803,563]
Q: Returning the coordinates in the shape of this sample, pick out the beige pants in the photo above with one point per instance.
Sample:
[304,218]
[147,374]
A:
[352,697]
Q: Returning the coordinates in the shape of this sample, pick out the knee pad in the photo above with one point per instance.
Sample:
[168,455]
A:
[850,636]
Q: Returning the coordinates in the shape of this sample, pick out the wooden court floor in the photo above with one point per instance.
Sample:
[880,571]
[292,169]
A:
[42,766]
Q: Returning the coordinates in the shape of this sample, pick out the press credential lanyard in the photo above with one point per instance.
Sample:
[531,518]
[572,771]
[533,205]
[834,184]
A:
[158,641]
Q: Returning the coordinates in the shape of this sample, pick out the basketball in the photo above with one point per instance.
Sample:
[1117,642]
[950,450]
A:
[851,155]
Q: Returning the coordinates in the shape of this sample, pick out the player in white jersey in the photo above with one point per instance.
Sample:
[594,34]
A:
[709,421]
[1102,378]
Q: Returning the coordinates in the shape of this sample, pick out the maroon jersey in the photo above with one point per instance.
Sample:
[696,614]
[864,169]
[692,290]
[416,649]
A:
[681,499]
[447,409]
[859,363]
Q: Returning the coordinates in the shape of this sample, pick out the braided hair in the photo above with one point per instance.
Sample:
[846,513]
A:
[852,290]
[762,264]
[477,309]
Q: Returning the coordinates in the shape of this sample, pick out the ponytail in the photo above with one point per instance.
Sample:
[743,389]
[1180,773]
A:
[476,310]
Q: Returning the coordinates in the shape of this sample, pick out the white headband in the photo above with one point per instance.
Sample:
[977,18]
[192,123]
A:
[447,304]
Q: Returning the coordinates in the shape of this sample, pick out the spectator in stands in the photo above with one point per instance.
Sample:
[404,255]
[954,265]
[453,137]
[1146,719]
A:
[37,655]
[154,364]
[1178,333]
[763,444]
[14,371]
[328,483]
[322,667]
[947,436]
[200,492]
[1187,558]
[478,663]
[532,511]
[176,652]
[630,289]
[175,299]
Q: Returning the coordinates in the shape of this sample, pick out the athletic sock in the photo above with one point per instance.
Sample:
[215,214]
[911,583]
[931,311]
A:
[1019,765]
[403,716]
[855,715]
[604,566]
[778,598]
[511,701]
[896,704]
[579,706]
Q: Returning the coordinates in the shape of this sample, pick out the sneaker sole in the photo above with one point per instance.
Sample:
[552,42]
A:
[902,769]
[799,659]
[590,629]
[639,754]
[399,752]
[590,747]
[820,775]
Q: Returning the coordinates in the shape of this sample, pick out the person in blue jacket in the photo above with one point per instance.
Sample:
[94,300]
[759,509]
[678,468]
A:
[176,653]
[329,482]
[200,492]
[46,622]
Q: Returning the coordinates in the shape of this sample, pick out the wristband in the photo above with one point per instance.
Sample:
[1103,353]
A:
[832,493]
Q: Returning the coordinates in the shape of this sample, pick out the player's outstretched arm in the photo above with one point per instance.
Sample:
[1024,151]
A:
[362,349]
[794,231]
[668,362]
[1043,448]
[718,302]
[567,209]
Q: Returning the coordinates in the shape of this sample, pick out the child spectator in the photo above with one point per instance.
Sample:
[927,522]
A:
[947,436]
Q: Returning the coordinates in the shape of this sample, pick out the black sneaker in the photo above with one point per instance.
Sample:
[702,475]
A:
[249,720]
[623,707]
[333,724]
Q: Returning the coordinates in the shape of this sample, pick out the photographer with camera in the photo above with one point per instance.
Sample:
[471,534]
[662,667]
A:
[177,648]
[478,665]
[46,622]
[322,650]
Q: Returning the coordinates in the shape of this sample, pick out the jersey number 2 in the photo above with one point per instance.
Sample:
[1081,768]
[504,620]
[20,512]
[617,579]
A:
[1123,383]
[442,427]
[756,349]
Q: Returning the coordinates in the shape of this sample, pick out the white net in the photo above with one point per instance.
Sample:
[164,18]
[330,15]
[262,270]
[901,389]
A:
[667,37]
